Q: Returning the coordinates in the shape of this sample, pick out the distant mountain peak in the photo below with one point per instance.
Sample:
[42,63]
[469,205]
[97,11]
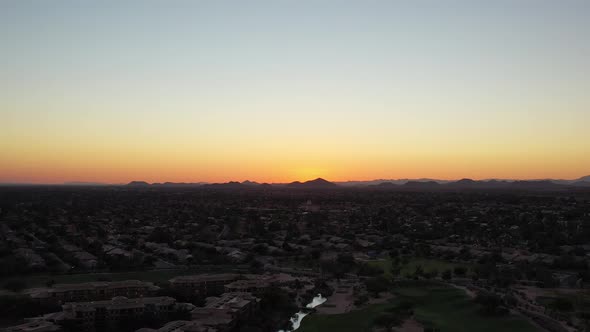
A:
[83,183]
[319,180]
[421,183]
[138,183]
[316,183]
[466,183]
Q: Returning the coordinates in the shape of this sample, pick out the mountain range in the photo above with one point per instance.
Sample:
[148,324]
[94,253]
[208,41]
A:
[399,184]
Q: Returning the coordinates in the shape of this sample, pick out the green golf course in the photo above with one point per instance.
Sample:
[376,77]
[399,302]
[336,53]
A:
[435,305]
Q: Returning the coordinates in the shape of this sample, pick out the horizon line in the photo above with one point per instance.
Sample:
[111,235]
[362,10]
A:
[99,183]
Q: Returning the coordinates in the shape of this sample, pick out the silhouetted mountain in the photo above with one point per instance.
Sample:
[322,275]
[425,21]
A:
[372,183]
[496,184]
[399,184]
[138,184]
[227,185]
[383,186]
[318,183]
[465,184]
[536,185]
[422,185]
[472,184]
[178,184]
[80,183]
[387,185]
[238,185]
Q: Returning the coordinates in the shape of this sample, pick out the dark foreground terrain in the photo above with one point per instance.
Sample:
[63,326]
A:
[245,258]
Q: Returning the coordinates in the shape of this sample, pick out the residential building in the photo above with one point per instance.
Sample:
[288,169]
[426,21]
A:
[93,291]
[204,284]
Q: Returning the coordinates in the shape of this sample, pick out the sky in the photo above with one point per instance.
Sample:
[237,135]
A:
[277,91]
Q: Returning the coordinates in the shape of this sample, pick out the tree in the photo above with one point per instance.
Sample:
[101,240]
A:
[345,259]
[388,320]
[377,285]
[433,273]
[490,302]
[256,265]
[160,235]
[18,307]
[460,270]
[276,307]
[365,269]
[546,278]
[562,304]
[315,254]
[418,271]
[15,285]
[393,253]
[465,253]
[250,328]
[335,269]
[395,271]
[447,275]
[510,300]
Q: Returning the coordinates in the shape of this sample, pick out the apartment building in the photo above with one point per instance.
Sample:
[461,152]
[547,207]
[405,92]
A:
[94,291]
[226,311]
[204,284]
[101,315]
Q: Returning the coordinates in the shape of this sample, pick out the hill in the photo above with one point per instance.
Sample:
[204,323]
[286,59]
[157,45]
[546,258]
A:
[318,183]
[138,184]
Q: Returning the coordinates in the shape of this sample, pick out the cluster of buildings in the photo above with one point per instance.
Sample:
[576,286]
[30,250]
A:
[219,314]
[111,229]
[100,306]
[107,314]
[210,284]
[62,293]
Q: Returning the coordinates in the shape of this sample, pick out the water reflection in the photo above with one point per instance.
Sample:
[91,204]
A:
[296,320]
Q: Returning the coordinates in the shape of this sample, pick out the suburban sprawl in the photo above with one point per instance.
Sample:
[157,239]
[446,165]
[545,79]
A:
[311,256]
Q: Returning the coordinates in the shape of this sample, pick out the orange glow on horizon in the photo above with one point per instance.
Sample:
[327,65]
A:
[96,168]
[198,92]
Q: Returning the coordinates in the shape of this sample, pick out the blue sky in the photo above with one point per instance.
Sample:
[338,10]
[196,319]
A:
[390,82]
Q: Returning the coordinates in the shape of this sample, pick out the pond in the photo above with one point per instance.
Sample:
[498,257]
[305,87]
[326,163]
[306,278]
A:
[296,320]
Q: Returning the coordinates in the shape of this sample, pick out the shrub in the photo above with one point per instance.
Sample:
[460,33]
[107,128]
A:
[15,285]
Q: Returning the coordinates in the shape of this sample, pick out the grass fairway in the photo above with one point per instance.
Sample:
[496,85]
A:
[356,321]
[449,309]
[428,265]
[435,305]
[579,301]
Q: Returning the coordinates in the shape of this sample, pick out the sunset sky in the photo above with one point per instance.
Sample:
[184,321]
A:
[276,91]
